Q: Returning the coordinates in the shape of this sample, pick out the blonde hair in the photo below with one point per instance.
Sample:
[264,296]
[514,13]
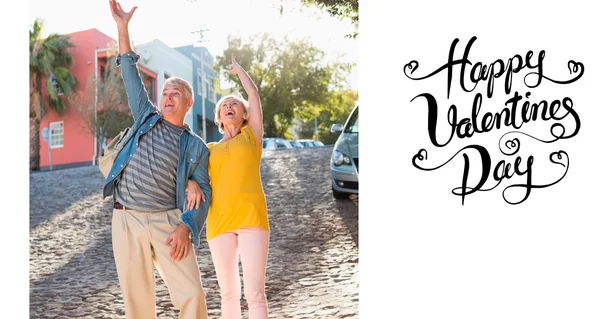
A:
[181,83]
[236,96]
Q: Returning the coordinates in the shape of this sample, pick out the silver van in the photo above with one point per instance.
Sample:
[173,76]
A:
[344,159]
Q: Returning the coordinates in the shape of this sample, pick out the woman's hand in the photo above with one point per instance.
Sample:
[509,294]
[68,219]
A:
[194,194]
[235,67]
[255,120]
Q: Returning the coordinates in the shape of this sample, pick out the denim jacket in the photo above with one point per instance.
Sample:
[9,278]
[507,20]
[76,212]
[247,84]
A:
[193,153]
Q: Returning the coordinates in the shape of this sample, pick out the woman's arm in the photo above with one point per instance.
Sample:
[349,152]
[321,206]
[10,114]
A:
[255,119]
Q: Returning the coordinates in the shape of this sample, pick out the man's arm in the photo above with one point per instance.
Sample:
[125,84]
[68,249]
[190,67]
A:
[127,60]
[196,218]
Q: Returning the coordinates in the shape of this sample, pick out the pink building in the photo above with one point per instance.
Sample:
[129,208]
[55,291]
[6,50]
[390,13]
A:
[70,143]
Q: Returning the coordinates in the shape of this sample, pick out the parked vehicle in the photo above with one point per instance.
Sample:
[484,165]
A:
[344,159]
[271,143]
[296,144]
[306,143]
[311,143]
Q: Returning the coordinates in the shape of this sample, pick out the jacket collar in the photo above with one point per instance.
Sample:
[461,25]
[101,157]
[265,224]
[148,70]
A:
[186,127]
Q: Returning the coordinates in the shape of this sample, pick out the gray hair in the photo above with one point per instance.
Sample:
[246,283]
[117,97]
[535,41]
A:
[181,83]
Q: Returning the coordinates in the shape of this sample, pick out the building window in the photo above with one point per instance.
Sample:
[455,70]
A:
[212,96]
[149,85]
[102,80]
[102,73]
[57,134]
[199,89]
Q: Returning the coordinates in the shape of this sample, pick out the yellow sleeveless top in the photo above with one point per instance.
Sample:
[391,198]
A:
[238,200]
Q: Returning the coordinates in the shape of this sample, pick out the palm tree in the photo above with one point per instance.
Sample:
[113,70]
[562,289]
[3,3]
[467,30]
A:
[51,84]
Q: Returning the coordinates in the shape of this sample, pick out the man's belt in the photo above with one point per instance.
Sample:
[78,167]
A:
[118,205]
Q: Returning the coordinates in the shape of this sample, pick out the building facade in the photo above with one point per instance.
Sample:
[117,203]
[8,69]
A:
[70,142]
[205,96]
[166,62]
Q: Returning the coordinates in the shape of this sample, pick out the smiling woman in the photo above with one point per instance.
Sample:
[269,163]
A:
[229,110]
[237,225]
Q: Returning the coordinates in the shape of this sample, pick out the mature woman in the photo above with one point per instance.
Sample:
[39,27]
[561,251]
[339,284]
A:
[237,223]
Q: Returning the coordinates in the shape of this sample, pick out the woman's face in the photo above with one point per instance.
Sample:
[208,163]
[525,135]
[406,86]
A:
[232,112]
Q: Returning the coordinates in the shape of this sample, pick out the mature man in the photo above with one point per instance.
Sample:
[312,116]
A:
[151,222]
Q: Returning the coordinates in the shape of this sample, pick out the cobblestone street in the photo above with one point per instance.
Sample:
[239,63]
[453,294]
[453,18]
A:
[313,257]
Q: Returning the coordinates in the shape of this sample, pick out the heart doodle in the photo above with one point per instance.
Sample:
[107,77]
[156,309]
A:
[573,66]
[411,66]
[557,157]
[513,146]
[510,144]
[420,155]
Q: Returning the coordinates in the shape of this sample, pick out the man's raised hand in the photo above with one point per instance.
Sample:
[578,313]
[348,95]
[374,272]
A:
[121,17]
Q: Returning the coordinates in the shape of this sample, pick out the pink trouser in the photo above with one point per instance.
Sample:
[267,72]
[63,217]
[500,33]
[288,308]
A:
[252,246]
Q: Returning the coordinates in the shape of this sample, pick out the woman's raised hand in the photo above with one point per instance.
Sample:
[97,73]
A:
[235,67]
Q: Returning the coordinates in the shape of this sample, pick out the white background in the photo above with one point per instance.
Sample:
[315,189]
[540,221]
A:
[172,22]
[422,253]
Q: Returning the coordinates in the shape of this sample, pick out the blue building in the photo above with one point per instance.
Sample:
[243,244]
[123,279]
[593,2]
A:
[204,78]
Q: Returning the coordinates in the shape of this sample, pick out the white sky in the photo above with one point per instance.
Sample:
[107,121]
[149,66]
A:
[173,21]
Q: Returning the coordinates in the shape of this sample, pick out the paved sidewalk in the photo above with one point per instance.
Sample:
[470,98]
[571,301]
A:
[313,258]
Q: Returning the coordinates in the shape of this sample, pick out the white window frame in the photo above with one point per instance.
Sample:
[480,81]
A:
[51,134]
[166,75]
[212,96]
[199,90]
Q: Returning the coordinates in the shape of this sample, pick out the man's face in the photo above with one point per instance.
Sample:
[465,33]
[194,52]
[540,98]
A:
[174,104]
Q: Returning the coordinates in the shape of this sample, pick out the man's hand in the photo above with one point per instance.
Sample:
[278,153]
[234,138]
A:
[194,194]
[121,17]
[180,242]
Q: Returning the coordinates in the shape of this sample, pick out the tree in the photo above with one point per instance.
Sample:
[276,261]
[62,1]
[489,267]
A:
[51,84]
[338,8]
[336,110]
[291,77]
[112,113]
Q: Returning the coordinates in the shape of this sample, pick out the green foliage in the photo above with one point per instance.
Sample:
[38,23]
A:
[49,63]
[336,110]
[49,80]
[292,77]
[339,9]
[113,114]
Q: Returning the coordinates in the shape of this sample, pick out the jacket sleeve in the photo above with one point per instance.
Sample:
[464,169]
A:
[195,219]
[137,95]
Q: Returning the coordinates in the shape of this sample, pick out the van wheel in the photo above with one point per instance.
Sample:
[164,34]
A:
[339,195]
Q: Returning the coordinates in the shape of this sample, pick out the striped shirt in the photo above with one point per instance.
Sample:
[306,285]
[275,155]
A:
[149,181]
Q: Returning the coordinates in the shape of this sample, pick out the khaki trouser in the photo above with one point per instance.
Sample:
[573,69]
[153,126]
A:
[138,240]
